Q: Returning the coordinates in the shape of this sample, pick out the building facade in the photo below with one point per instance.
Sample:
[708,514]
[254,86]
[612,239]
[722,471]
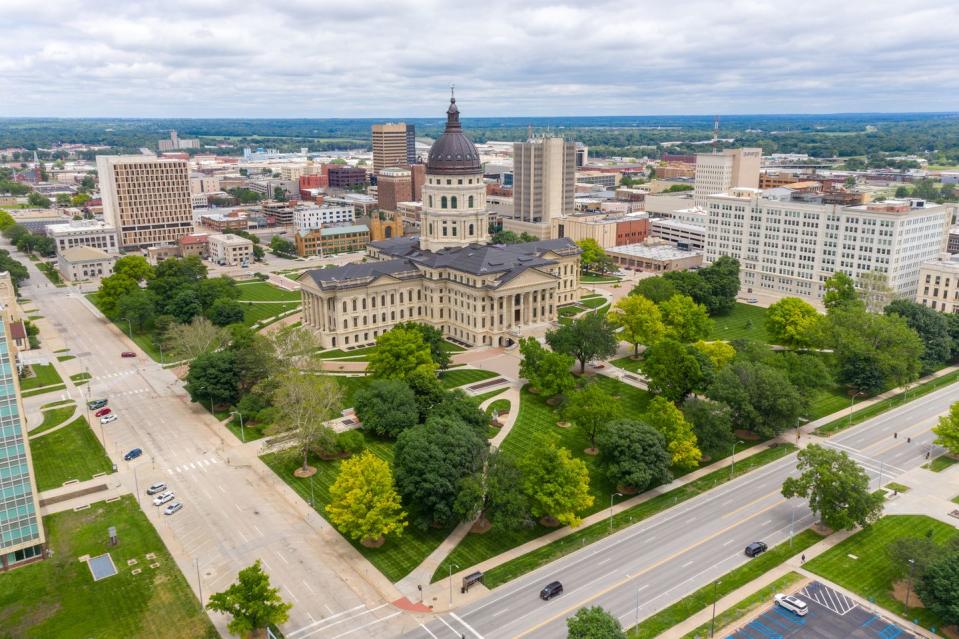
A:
[146,199]
[607,230]
[654,256]
[719,172]
[394,145]
[331,240]
[680,234]
[230,250]
[84,233]
[939,284]
[313,217]
[343,177]
[393,185]
[792,247]
[543,179]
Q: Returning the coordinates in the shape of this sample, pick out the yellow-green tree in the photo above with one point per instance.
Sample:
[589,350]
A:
[556,483]
[399,353]
[685,320]
[792,322]
[640,319]
[947,431]
[719,353]
[364,503]
[681,441]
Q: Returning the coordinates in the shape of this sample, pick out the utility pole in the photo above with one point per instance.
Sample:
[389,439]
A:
[199,585]
[712,622]
[912,568]
[451,564]
[611,510]
[242,433]
[732,466]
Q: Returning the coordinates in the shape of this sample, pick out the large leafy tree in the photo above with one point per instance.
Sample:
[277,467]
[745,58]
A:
[532,354]
[399,353]
[429,463]
[634,454]
[761,397]
[874,291]
[251,602]
[675,370]
[254,358]
[947,430]
[210,290]
[840,291]
[304,403]
[459,406]
[718,353]
[938,587]
[135,267]
[690,284]
[657,289]
[590,409]
[684,319]
[932,328]
[556,483]
[138,306]
[187,341]
[593,623]
[792,322]
[433,337]
[680,438]
[507,507]
[387,407]
[428,391]
[640,320]
[713,424]
[587,338]
[185,305]
[836,486]
[547,371]
[113,288]
[592,253]
[174,275]
[224,312]
[722,283]
[212,377]
[364,504]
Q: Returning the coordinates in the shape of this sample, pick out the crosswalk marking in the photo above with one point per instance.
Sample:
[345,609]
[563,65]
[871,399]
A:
[198,464]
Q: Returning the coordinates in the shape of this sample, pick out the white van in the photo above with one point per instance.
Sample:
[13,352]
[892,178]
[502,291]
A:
[792,604]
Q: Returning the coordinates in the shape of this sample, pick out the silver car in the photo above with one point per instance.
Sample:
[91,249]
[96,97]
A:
[163,498]
[172,508]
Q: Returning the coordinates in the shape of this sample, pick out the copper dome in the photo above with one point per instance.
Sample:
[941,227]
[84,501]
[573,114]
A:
[453,153]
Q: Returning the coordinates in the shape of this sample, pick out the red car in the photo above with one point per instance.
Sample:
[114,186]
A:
[128,354]
[102,412]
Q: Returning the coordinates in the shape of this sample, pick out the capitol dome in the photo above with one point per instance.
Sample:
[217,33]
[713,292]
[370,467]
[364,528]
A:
[453,153]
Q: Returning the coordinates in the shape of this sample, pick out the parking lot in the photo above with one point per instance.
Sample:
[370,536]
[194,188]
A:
[831,615]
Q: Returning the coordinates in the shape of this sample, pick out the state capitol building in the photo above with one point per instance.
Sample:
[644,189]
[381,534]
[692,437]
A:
[449,276]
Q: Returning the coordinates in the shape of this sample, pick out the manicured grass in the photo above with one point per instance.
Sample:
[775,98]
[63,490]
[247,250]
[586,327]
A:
[561,547]
[827,402]
[872,573]
[253,313]
[80,377]
[569,310]
[899,488]
[450,347]
[886,404]
[263,292]
[399,555]
[955,500]
[42,391]
[57,403]
[745,321]
[500,406]
[593,302]
[691,604]
[48,269]
[459,377]
[53,418]
[590,278]
[336,353]
[43,375]
[72,452]
[251,432]
[941,463]
[482,398]
[628,364]
[65,358]
[57,597]
[742,608]
[350,386]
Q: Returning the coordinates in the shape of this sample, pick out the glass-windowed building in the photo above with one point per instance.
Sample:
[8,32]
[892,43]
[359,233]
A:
[21,529]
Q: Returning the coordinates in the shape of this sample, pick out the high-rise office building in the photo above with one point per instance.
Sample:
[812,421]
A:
[145,198]
[21,529]
[394,145]
[719,172]
[544,174]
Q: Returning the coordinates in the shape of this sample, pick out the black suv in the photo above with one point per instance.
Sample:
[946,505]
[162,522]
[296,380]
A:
[96,404]
[551,590]
[756,548]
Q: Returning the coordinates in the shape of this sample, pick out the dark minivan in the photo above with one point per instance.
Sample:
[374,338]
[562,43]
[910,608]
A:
[755,548]
[551,590]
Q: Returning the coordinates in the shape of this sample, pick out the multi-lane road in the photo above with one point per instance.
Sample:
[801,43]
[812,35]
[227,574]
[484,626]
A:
[649,566]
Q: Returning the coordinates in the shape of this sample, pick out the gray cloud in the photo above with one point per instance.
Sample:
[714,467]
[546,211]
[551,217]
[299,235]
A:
[377,58]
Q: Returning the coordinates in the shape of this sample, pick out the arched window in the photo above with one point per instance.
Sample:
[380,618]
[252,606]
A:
[470,231]
[470,202]
[431,201]
[443,202]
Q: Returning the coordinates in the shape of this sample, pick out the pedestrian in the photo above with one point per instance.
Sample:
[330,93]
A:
[927,454]
[803,558]
[908,440]
[895,435]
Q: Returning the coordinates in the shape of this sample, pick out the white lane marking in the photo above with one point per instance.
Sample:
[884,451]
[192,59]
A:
[428,631]
[767,522]
[643,588]
[600,563]
[687,564]
[297,599]
[499,612]
[220,487]
[728,542]
[465,625]
[277,553]
[332,616]
[213,459]
[237,506]
[312,592]
[690,520]
[372,623]
[260,533]
[240,533]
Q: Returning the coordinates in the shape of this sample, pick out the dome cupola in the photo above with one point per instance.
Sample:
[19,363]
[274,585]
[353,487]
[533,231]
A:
[453,153]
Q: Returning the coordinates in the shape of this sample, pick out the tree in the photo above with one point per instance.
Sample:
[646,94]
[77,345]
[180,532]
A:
[252,603]
[591,252]
[432,337]
[212,289]
[680,438]
[634,455]
[761,397]
[684,319]
[428,390]
[187,341]
[590,409]
[718,353]
[304,403]
[399,353]
[791,322]
[295,347]
[113,288]
[224,312]
[840,291]
[504,237]
[587,338]
[507,508]
[836,486]
[212,377]
[282,246]
[254,360]
[429,461]
[556,484]
[640,319]
[932,328]
[656,289]
[553,376]
[6,220]
[532,352]
[722,282]
[712,423]
[913,554]
[939,588]
[364,504]
[674,370]
[690,284]
[872,351]
[135,267]
[138,306]
[185,305]
[593,623]
[874,291]
[458,406]
[387,407]
[947,430]
[279,194]
[38,200]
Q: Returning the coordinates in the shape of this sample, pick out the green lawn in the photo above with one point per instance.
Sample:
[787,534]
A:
[42,391]
[561,547]
[43,375]
[337,353]
[745,321]
[350,386]
[593,302]
[482,398]
[72,452]
[263,292]
[500,406]
[253,313]
[872,574]
[941,463]
[691,604]
[398,556]
[80,377]
[50,270]
[590,278]
[65,358]
[628,364]
[58,597]
[54,417]
[459,377]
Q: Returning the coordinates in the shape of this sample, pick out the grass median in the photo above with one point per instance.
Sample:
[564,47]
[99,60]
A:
[732,580]
[72,452]
[561,547]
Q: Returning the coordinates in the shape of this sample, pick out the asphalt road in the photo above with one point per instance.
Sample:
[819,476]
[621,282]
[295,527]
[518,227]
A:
[649,566]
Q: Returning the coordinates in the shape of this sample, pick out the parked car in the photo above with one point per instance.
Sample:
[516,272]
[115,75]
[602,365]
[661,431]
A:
[756,548]
[96,403]
[107,419]
[163,498]
[551,590]
[128,354]
[102,412]
[752,300]
[172,508]
[133,454]
[158,487]
[792,604]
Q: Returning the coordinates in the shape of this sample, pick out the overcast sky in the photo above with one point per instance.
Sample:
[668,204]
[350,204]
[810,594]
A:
[374,58]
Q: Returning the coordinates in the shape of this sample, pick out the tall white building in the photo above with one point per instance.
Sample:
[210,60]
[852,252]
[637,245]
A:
[791,248]
[314,217]
[544,171]
[719,172]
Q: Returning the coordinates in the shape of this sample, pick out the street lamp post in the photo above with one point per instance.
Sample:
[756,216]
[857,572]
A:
[852,401]
[712,622]
[611,497]
[792,522]
[311,492]
[637,607]
[199,585]
[136,484]
[242,432]
[129,326]
[732,466]
[451,564]
[912,567]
